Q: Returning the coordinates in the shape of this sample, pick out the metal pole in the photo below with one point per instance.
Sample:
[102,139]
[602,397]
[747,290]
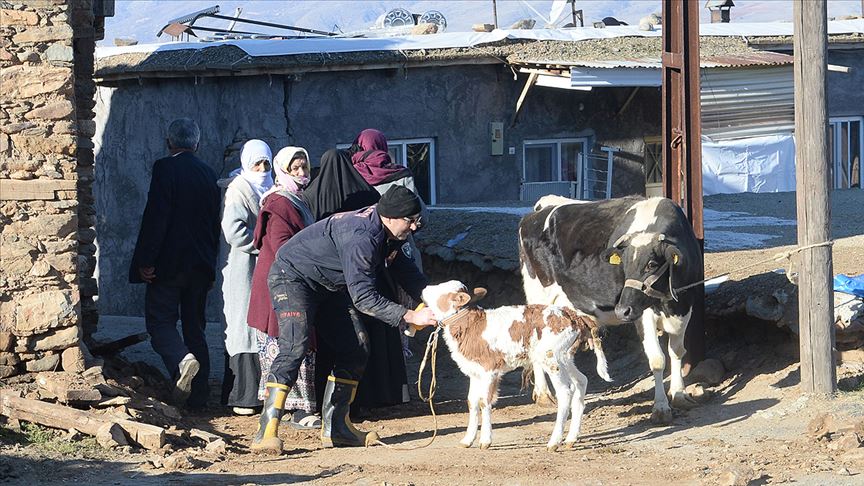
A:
[813,198]
[682,145]
[495,13]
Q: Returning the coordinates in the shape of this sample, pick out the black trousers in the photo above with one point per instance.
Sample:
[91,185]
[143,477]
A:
[164,305]
[297,304]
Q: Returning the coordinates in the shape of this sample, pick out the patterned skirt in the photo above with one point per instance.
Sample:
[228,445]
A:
[302,394]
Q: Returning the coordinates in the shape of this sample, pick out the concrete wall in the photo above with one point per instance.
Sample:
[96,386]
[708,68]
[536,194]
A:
[452,105]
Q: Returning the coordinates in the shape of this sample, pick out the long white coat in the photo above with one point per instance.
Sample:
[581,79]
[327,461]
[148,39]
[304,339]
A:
[238,226]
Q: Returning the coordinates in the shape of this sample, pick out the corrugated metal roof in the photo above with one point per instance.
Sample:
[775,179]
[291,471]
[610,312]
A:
[744,59]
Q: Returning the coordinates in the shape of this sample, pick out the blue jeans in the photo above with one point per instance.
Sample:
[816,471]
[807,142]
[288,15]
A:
[163,306]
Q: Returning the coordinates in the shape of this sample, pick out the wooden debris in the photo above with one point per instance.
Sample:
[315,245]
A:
[111,435]
[66,387]
[65,418]
[113,347]
[113,401]
[204,435]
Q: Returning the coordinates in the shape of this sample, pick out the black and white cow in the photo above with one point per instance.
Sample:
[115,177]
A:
[618,260]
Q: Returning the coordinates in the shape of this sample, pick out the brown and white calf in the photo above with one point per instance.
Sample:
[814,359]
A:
[488,343]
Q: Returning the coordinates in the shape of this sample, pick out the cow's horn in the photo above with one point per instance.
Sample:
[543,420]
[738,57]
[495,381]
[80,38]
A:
[621,240]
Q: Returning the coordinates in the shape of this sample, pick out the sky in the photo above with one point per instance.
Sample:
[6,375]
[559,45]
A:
[141,19]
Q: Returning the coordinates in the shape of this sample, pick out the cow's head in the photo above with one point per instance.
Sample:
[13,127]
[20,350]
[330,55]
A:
[445,299]
[649,263]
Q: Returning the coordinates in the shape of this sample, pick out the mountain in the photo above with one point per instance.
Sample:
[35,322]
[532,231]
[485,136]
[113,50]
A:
[141,19]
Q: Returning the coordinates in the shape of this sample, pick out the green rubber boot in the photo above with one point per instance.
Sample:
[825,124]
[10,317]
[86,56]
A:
[267,439]
[336,428]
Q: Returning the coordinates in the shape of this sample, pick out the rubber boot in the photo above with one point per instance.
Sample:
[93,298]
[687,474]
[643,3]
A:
[336,428]
[267,439]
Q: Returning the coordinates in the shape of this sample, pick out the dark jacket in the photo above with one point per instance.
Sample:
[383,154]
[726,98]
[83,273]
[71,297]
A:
[179,233]
[346,252]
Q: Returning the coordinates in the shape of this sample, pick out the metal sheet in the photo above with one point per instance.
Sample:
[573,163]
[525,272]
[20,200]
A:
[747,102]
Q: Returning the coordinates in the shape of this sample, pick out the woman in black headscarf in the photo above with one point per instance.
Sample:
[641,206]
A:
[338,187]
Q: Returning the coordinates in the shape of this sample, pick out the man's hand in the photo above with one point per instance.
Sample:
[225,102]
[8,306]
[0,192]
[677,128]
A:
[421,318]
[148,274]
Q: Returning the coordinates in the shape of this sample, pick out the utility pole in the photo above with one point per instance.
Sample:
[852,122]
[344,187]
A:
[682,143]
[813,189]
[495,13]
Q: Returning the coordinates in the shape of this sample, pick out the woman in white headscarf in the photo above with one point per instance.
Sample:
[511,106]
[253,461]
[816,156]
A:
[283,214]
[240,213]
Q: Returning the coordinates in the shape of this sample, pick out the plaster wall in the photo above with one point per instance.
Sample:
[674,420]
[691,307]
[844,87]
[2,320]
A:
[452,105]
[846,90]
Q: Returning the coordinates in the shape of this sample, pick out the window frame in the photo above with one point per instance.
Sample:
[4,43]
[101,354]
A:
[834,124]
[557,161]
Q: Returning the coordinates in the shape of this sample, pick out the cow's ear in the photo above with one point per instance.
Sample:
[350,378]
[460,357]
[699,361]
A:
[479,293]
[673,255]
[612,256]
[461,299]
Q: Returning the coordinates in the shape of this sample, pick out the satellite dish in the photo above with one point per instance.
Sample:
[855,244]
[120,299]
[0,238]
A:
[398,17]
[434,17]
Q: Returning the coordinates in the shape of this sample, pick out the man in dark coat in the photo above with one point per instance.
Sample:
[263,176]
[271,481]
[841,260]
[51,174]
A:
[176,257]
[334,264]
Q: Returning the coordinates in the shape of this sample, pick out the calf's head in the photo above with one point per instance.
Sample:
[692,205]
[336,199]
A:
[445,299]
[649,263]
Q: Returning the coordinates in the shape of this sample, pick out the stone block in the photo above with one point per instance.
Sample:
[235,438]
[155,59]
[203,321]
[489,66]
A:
[57,144]
[9,359]
[65,263]
[52,111]
[46,310]
[17,256]
[4,143]
[18,17]
[7,371]
[7,339]
[29,81]
[59,53]
[44,34]
[86,128]
[54,341]
[29,55]
[44,225]
[72,360]
[65,126]
[16,127]
[48,362]
[40,269]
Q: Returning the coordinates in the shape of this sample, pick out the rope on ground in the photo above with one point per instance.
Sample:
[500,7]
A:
[786,255]
[431,354]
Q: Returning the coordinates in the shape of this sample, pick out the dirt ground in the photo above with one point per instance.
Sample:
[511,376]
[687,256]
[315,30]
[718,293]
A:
[755,427]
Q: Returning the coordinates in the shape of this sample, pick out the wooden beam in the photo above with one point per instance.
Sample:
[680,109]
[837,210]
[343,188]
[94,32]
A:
[532,78]
[813,189]
[629,99]
[34,190]
[65,418]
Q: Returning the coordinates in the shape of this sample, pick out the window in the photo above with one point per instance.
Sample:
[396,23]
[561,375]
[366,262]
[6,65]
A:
[845,139]
[418,154]
[553,160]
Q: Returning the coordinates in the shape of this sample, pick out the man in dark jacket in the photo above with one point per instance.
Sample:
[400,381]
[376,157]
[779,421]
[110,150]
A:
[176,256]
[334,263]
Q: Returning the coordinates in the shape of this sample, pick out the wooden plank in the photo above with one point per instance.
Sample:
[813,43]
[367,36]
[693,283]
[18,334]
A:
[39,189]
[813,185]
[65,418]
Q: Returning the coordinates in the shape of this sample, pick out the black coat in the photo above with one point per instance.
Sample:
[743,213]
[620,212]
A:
[179,233]
[346,252]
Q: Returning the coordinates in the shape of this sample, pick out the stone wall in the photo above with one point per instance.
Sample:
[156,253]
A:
[46,120]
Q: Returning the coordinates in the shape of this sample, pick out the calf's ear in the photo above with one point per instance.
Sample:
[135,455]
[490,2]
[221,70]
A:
[479,293]
[461,299]
[612,256]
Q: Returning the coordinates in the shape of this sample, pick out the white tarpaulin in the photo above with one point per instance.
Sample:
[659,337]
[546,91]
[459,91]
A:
[309,45]
[755,164]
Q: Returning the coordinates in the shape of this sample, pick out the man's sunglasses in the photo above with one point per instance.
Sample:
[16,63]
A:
[416,221]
